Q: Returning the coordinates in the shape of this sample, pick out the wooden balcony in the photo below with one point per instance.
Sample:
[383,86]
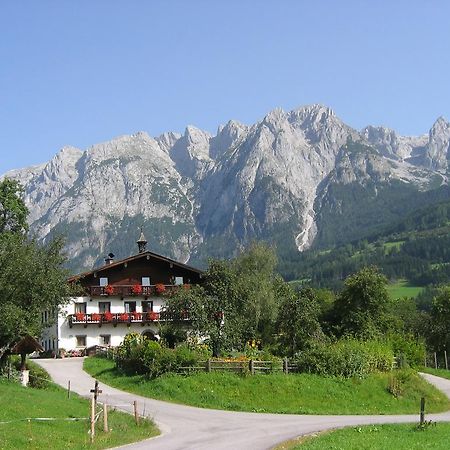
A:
[118,318]
[123,290]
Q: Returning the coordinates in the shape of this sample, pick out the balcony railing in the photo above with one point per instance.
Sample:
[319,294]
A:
[133,290]
[116,318]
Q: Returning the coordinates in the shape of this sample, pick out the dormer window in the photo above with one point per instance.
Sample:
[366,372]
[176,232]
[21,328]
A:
[178,281]
[145,281]
[103,281]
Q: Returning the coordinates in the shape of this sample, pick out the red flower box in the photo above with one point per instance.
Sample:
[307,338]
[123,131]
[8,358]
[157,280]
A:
[109,290]
[107,316]
[153,316]
[160,288]
[96,317]
[136,289]
[124,317]
[80,316]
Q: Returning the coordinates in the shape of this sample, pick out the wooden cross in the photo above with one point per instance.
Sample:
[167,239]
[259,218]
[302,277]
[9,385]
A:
[96,391]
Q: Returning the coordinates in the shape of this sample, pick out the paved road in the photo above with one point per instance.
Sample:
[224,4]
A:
[185,427]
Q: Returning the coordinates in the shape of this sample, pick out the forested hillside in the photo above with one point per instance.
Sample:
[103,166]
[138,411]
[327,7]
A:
[416,248]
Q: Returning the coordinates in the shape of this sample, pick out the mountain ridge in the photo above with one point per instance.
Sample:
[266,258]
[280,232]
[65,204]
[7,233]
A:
[199,195]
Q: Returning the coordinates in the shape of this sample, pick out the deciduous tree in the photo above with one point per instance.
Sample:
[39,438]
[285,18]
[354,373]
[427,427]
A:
[13,212]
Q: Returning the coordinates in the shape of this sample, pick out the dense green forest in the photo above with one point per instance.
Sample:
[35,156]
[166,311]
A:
[416,248]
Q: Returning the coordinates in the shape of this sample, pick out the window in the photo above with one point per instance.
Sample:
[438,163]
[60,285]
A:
[104,307]
[80,308]
[130,307]
[145,281]
[147,307]
[81,341]
[103,281]
[178,281]
[105,339]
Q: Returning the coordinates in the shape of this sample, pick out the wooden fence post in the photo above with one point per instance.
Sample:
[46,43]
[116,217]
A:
[252,367]
[92,418]
[68,389]
[136,415]
[446,360]
[422,411]
[435,361]
[208,365]
[285,366]
[105,417]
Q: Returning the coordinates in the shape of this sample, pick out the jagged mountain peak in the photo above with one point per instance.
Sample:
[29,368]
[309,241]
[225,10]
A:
[310,114]
[227,136]
[441,125]
[196,135]
[167,140]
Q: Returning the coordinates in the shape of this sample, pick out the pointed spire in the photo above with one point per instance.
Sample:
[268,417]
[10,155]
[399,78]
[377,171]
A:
[141,242]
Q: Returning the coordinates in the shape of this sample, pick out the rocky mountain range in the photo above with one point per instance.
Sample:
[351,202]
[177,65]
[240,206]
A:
[282,179]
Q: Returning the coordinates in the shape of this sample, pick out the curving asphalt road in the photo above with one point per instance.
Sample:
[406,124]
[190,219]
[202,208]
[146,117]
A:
[186,427]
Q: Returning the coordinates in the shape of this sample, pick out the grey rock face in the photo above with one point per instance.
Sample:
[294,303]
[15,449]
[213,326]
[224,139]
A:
[194,190]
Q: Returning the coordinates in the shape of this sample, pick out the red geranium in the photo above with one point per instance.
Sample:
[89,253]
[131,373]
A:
[136,289]
[152,315]
[160,288]
[80,316]
[95,317]
[124,317]
[109,290]
[136,315]
[108,316]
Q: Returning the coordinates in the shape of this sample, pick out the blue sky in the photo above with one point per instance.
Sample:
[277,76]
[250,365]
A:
[81,72]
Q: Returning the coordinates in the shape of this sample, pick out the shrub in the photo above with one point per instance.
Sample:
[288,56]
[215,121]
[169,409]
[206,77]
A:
[139,355]
[408,349]
[38,377]
[346,358]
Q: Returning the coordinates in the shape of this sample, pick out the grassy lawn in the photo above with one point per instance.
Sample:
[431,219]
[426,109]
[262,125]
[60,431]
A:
[277,393]
[403,289]
[438,372]
[377,437]
[18,402]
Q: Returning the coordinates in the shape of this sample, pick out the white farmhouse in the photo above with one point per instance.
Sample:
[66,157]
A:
[119,297]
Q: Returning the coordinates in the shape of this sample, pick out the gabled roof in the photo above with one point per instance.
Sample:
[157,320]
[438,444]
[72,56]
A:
[27,344]
[144,255]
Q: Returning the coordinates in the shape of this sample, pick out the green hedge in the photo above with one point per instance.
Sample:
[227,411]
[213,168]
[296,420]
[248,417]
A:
[346,358]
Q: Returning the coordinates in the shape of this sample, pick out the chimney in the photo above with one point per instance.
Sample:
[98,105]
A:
[109,259]
[141,242]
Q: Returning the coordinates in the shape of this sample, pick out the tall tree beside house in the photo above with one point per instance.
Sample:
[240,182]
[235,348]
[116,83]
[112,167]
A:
[32,277]
[238,300]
